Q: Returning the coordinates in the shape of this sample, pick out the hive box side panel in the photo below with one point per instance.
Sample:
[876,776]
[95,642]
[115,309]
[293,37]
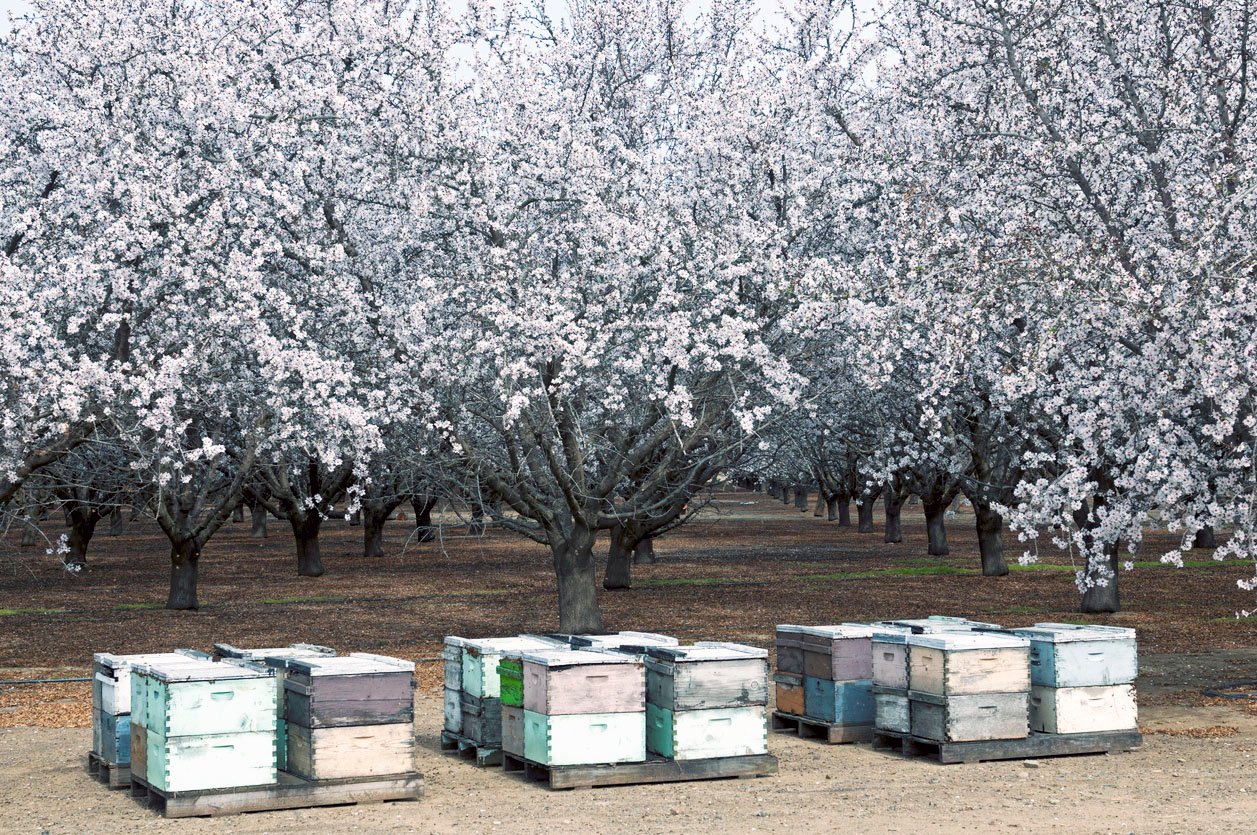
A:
[480,673]
[659,730]
[453,707]
[601,688]
[891,712]
[211,761]
[789,657]
[719,732]
[1094,664]
[1076,710]
[513,730]
[719,684]
[890,665]
[790,697]
[115,732]
[511,682]
[840,702]
[972,718]
[585,738]
[366,751]
[453,658]
[139,750]
[194,708]
[958,673]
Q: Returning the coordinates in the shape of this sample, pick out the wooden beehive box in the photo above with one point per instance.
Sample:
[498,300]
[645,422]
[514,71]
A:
[111,701]
[891,709]
[222,651]
[452,706]
[482,719]
[970,718]
[890,650]
[789,646]
[452,658]
[513,730]
[481,658]
[963,663]
[839,702]
[704,734]
[333,753]
[348,690]
[583,681]
[1069,655]
[790,697]
[839,652]
[707,675]
[1078,710]
[585,738]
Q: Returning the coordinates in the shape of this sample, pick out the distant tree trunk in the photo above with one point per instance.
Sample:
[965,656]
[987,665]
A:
[257,518]
[864,511]
[305,530]
[800,498]
[894,508]
[773,490]
[423,507]
[1205,538]
[355,519]
[821,504]
[577,573]
[844,513]
[476,526]
[117,523]
[30,531]
[990,540]
[237,515]
[184,557]
[1100,592]
[936,527]
[82,526]
[785,494]
[644,551]
[619,560]
[373,519]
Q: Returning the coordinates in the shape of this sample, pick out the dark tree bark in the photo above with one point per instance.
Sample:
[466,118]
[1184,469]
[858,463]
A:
[423,507]
[936,526]
[1205,538]
[820,505]
[894,508]
[864,511]
[644,551]
[785,494]
[619,560]
[237,515]
[476,526]
[1099,596]
[355,519]
[577,573]
[82,526]
[184,557]
[800,498]
[30,532]
[373,533]
[990,527]
[306,532]
[844,513]
[117,522]
[257,519]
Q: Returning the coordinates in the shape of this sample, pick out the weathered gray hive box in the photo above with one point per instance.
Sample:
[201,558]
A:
[840,652]
[707,675]
[968,686]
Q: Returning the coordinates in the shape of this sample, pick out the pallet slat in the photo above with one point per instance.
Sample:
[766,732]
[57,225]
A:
[650,771]
[290,793]
[808,728]
[1034,746]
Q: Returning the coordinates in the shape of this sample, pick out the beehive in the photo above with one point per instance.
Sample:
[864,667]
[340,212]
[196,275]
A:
[111,701]
[585,738]
[889,644]
[634,643]
[969,686]
[970,718]
[838,653]
[706,675]
[513,730]
[1068,655]
[1077,710]
[482,719]
[480,659]
[838,702]
[203,725]
[892,709]
[703,734]
[349,716]
[452,656]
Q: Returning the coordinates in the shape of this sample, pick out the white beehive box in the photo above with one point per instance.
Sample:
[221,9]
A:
[1068,655]
[1078,710]
[964,663]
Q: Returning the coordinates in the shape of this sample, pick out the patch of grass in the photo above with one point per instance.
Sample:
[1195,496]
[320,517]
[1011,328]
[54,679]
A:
[281,601]
[8,612]
[1186,564]
[1040,566]
[897,571]
[136,607]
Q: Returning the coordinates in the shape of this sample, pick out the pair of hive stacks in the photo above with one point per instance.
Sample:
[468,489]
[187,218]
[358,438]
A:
[890,665]
[1081,678]
[198,724]
[825,673]
[707,700]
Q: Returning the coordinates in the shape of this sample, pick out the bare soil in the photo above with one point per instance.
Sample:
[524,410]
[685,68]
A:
[736,572]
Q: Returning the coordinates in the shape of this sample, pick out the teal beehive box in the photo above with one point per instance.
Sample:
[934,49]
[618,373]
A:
[1069,655]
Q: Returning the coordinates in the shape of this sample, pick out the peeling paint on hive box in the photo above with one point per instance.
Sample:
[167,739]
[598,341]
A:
[706,676]
[1068,655]
[892,710]
[790,697]
[1076,710]
[703,734]
[840,702]
[970,718]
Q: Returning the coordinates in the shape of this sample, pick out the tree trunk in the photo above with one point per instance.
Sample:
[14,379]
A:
[373,520]
[237,515]
[30,532]
[864,510]
[257,518]
[1103,598]
[644,551]
[785,494]
[117,524]
[1205,538]
[476,526]
[800,499]
[423,507]
[844,514]
[306,533]
[936,527]
[577,573]
[990,540]
[355,519]
[82,526]
[821,504]
[184,557]
[619,561]
[894,508]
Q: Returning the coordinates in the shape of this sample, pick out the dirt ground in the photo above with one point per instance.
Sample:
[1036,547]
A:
[734,574]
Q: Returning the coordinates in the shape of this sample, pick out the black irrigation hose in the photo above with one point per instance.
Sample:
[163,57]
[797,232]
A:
[1218,691]
[43,681]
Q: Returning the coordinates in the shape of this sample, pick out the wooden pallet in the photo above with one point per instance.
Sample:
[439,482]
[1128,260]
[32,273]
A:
[809,728]
[1035,746]
[654,770]
[290,792]
[111,774]
[469,749]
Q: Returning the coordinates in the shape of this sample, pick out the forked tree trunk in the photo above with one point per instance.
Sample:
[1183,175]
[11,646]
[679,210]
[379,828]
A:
[82,527]
[373,520]
[894,511]
[644,551]
[577,574]
[990,526]
[619,561]
[936,527]
[864,510]
[257,518]
[423,507]
[306,533]
[184,557]
[1205,538]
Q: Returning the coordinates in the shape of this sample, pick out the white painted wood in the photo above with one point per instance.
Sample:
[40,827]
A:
[481,657]
[1078,710]
[719,732]
[111,689]
[1068,655]
[453,710]
[971,718]
[585,738]
[187,708]
[891,711]
[954,664]
[192,763]
[361,751]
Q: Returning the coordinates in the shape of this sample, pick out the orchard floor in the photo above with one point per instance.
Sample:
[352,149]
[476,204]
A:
[746,565]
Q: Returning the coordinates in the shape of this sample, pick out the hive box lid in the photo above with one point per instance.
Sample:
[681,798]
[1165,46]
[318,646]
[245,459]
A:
[353,664]
[632,641]
[1059,633]
[455,641]
[197,669]
[290,651]
[841,630]
[576,657]
[122,662]
[512,644]
[960,641]
[707,651]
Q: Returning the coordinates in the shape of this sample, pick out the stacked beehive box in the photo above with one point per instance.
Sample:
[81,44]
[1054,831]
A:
[634,643]
[968,686]
[480,677]
[349,716]
[111,702]
[827,671]
[583,707]
[276,658]
[198,724]
[707,700]
[452,658]
[890,652]
[1081,677]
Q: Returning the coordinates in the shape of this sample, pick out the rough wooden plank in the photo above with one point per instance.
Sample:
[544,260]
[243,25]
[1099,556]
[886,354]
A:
[290,793]
[970,718]
[468,749]
[808,728]
[113,775]
[335,753]
[790,697]
[650,771]
[585,688]
[838,702]
[699,685]
[1034,746]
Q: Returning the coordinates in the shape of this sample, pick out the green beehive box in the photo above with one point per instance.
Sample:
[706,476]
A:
[511,674]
